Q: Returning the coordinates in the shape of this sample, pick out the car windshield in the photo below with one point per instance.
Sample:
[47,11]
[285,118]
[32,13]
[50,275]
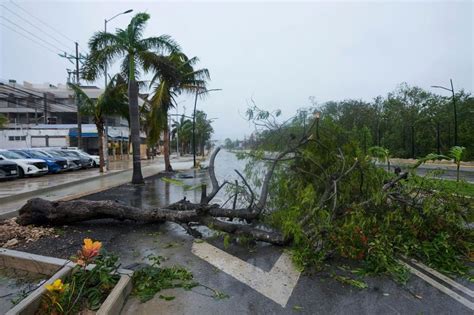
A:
[37,154]
[23,154]
[11,155]
[55,153]
[73,153]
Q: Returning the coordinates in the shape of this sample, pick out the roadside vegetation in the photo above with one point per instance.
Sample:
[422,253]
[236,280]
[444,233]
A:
[331,199]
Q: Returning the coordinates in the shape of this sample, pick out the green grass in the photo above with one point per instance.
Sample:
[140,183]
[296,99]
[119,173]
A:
[459,188]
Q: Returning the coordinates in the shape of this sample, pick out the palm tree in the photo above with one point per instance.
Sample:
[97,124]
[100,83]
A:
[136,52]
[112,101]
[182,128]
[167,85]
[382,154]
[456,154]
[204,130]
[3,121]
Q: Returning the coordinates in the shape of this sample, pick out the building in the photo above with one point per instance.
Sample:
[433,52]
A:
[45,115]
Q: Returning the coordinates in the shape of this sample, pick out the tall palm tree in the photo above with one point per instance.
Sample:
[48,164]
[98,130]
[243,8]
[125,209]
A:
[136,52]
[167,85]
[112,102]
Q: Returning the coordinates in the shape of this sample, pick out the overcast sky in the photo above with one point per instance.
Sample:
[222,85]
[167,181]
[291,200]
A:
[278,53]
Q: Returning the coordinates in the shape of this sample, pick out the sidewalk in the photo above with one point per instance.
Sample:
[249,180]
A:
[446,165]
[74,185]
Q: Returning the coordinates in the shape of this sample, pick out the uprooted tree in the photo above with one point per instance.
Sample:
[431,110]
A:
[319,193]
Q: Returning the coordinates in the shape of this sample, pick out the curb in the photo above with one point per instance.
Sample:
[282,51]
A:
[10,214]
[51,188]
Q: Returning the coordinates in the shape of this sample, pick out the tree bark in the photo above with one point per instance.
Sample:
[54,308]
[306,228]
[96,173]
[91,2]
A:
[41,212]
[166,148]
[100,135]
[137,177]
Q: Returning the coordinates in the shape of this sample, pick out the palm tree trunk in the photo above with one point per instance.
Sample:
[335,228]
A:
[100,135]
[166,148]
[137,177]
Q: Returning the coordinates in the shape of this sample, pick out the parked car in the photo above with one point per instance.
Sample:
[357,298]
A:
[72,163]
[95,158]
[8,170]
[55,164]
[26,167]
[86,162]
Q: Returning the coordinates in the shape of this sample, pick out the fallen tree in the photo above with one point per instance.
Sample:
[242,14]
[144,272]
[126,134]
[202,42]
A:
[39,211]
[319,193]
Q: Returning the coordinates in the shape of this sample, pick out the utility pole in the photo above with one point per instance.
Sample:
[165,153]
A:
[79,118]
[454,108]
[204,90]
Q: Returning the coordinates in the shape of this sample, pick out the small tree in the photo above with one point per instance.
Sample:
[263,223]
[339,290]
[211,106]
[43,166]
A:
[456,154]
[3,121]
[382,154]
[112,101]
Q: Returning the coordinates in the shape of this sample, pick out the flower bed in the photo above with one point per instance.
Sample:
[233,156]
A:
[92,283]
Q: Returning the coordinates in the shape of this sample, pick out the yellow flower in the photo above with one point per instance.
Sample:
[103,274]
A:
[91,249]
[57,286]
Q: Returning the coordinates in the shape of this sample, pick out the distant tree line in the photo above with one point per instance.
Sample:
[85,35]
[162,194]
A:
[410,122]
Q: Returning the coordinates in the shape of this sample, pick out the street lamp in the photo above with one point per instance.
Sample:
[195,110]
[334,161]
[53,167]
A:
[203,91]
[106,151]
[317,115]
[454,107]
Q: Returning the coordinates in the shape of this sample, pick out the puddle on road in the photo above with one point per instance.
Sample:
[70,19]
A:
[158,192]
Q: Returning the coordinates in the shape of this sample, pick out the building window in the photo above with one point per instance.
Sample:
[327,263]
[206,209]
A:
[16,138]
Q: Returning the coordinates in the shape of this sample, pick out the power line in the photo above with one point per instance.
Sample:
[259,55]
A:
[36,27]
[52,45]
[42,22]
[29,38]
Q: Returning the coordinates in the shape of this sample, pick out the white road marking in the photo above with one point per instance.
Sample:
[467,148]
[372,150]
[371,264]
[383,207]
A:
[277,284]
[448,280]
[439,286]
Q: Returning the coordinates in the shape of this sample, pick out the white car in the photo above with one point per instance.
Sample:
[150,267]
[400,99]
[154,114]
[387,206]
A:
[26,167]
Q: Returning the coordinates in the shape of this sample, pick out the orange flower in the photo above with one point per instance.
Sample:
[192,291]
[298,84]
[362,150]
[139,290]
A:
[90,249]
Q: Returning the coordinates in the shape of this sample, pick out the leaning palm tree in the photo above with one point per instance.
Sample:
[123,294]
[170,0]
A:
[137,53]
[167,85]
[112,102]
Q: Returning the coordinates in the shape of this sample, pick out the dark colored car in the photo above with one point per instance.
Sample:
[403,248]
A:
[86,162]
[77,160]
[8,170]
[55,164]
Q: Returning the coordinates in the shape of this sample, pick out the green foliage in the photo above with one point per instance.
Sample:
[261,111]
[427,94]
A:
[88,288]
[329,200]
[152,279]
[3,121]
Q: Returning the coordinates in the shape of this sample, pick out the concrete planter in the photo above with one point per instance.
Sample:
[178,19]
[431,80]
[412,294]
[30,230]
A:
[57,268]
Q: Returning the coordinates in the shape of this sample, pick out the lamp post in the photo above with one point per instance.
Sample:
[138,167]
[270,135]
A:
[317,115]
[106,150]
[204,90]
[454,108]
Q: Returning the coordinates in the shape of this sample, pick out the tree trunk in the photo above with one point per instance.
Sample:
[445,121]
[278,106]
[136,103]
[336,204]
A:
[166,148]
[137,177]
[40,211]
[100,135]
